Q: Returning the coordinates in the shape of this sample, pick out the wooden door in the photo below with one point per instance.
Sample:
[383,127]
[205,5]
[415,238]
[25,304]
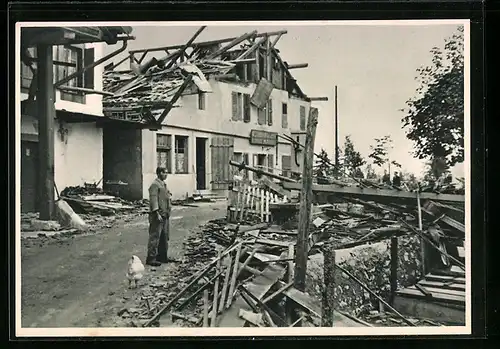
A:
[221,149]
[29,180]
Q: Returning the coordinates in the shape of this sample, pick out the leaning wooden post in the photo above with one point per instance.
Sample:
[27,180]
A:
[394,267]
[422,242]
[328,300]
[306,196]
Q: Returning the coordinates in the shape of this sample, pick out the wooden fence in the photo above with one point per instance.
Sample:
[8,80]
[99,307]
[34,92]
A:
[248,200]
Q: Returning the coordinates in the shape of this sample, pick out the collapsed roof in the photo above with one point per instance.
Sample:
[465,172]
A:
[148,91]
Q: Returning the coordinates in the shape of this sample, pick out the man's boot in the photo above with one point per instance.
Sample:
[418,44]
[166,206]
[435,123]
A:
[153,263]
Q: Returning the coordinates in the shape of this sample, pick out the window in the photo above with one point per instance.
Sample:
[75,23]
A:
[69,60]
[246,107]
[181,154]
[286,165]
[237,107]
[240,157]
[270,112]
[302,118]
[241,108]
[26,73]
[284,116]
[270,163]
[164,151]
[201,100]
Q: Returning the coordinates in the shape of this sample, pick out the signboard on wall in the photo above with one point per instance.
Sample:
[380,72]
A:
[264,138]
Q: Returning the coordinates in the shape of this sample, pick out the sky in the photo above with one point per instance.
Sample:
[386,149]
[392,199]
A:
[373,66]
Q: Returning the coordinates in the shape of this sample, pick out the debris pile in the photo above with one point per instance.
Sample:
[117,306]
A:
[83,201]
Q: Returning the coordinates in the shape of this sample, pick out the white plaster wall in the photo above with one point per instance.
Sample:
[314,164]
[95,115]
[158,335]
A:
[179,184]
[78,155]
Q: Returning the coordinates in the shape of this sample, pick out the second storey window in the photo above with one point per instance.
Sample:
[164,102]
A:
[69,60]
[302,118]
[240,106]
[202,101]
[284,116]
[181,154]
[164,151]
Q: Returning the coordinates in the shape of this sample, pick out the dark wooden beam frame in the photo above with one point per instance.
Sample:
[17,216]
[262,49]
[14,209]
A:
[381,193]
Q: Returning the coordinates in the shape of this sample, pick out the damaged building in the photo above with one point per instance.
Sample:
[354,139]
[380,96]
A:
[197,108]
[77,135]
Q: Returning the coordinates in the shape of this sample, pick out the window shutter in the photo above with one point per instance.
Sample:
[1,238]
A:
[270,112]
[234,99]
[286,163]
[302,118]
[246,107]
[88,58]
[270,163]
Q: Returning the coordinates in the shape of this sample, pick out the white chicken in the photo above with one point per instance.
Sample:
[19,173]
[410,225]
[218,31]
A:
[135,271]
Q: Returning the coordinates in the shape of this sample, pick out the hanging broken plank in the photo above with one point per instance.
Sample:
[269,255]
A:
[262,93]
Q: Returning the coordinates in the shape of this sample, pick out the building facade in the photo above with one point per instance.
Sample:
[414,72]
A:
[205,130]
[78,140]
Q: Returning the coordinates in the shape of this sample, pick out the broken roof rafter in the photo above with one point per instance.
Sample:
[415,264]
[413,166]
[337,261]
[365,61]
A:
[208,43]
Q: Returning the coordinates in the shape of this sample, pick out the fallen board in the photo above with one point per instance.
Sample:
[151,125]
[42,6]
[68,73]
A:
[369,192]
[443,285]
[307,302]
[443,278]
[258,287]
[412,292]
[422,308]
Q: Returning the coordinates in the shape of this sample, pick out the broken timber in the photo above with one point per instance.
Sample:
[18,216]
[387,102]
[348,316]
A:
[243,166]
[375,193]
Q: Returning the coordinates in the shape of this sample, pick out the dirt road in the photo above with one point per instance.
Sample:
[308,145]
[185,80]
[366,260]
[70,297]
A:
[80,281]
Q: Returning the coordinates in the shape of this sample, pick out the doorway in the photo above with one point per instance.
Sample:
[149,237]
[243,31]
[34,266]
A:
[29,180]
[201,158]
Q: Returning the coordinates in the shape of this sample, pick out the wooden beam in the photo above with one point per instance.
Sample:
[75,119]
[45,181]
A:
[174,99]
[243,166]
[207,43]
[180,53]
[231,44]
[85,90]
[376,193]
[275,41]
[297,66]
[318,99]
[46,114]
[394,268]
[328,299]
[306,197]
[251,50]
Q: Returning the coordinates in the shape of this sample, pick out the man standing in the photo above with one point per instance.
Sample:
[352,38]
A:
[159,219]
[396,180]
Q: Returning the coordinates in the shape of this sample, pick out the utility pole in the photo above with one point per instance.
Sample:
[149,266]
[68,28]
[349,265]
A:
[336,134]
[306,196]
[45,99]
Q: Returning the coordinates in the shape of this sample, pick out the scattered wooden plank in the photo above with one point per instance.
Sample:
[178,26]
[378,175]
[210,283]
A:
[443,285]
[442,278]
[259,287]
[423,290]
[195,279]
[264,307]
[439,297]
[304,300]
[265,257]
[274,243]
[216,290]
[180,316]
[273,230]
[197,292]
[233,279]
[225,285]
[254,318]
[245,263]
[278,292]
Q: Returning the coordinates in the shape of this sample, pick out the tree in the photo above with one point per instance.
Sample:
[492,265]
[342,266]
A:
[322,164]
[352,158]
[380,152]
[434,118]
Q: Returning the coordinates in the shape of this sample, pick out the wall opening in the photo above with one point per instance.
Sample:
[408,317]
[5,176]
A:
[201,168]
[122,162]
